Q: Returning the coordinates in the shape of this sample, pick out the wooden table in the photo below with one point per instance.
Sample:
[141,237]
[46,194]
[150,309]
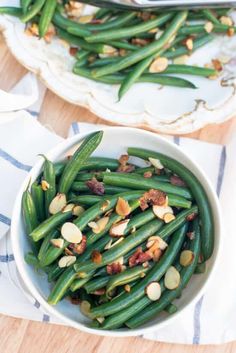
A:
[24,336]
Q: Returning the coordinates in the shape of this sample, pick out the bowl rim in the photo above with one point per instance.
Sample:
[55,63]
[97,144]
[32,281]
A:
[55,153]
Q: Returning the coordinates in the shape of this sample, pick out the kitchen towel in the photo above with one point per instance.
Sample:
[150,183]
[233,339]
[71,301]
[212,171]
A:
[211,320]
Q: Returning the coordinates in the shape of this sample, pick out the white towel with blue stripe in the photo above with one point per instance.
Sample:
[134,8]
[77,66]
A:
[210,321]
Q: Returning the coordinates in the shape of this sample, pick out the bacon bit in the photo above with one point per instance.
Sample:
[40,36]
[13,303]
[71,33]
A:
[95,186]
[73,51]
[147,175]
[114,268]
[80,248]
[152,197]
[124,166]
[177,181]
[191,216]
[100,291]
[191,235]
[230,32]
[96,257]
[139,41]
[75,301]
[68,252]
[96,21]
[145,16]
[217,64]
[138,257]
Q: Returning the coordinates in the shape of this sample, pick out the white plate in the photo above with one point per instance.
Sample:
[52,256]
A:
[166,109]
[114,143]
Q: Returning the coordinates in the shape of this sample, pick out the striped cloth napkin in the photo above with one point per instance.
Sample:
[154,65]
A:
[211,320]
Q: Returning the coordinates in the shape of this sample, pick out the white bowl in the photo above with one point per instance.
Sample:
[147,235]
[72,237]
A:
[114,143]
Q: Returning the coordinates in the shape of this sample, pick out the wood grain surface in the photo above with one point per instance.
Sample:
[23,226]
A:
[24,336]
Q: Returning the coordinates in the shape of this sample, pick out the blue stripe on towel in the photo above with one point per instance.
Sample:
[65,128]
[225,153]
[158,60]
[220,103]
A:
[75,127]
[198,306]
[13,161]
[176,140]
[33,112]
[7,258]
[46,318]
[5,220]
[36,304]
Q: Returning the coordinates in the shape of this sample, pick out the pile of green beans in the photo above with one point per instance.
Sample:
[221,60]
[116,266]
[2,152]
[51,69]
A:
[110,271]
[121,48]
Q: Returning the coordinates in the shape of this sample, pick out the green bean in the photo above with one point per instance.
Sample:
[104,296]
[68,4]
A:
[137,182]
[12,11]
[104,61]
[196,29]
[210,16]
[38,198]
[198,43]
[64,23]
[52,253]
[128,32]
[123,45]
[146,51]
[137,295]
[33,10]
[62,285]
[101,13]
[171,309]
[50,177]
[197,190]
[25,5]
[79,283]
[49,224]
[125,277]
[200,268]
[74,165]
[31,259]
[46,243]
[88,176]
[189,70]
[81,62]
[86,199]
[169,295]
[55,272]
[82,54]
[46,16]
[81,43]
[153,78]
[96,283]
[81,186]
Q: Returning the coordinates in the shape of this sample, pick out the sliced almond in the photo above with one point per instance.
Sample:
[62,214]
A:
[186,258]
[168,217]
[157,255]
[66,261]
[209,27]
[99,226]
[127,288]
[227,21]
[71,233]
[96,257]
[122,207]
[120,261]
[45,185]
[158,65]
[69,252]
[110,244]
[68,208]
[58,243]
[172,278]
[145,264]
[155,238]
[105,204]
[100,319]
[118,229]
[156,163]
[189,43]
[85,307]
[77,210]
[153,291]
[160,211]
[85,19]
[181,60]
[143,274]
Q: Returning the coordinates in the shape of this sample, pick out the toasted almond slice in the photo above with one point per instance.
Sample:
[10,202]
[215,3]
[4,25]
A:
[68,208]
[118,229]
[153,291]
[105,204]
[58,243]
[156,163]
[189,44]
[71,233]
[99,226]
[143,274]
[77,210]
[110,244]
[168,217]
[85,307]
[127,288]
[160,211]
[159,34]
[231,32]
[226,20]
[186,258]
[158,65]
[108,49]
[85,19]
[93,225]
[100,319]
[96,257]
[69,252]
[209,27]
[157,255]
[45,185]
[145,264]
[181,60]
[172,278]
[122,207]
[155,238]
[66,261]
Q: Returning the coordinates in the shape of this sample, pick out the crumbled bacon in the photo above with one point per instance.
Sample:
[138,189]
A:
[100,291]
[177,181]
[217,65]
[96,257]
[124,167]
[138,257]
[73,51]
[95,186]
[75,301]
[80,248]
[191,216]
[114,268]
[152,197]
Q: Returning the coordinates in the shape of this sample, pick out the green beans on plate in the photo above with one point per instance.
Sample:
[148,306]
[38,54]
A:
[128,47]
[132,253]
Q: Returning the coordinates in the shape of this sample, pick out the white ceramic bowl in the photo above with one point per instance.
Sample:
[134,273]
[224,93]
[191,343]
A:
[114,143]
